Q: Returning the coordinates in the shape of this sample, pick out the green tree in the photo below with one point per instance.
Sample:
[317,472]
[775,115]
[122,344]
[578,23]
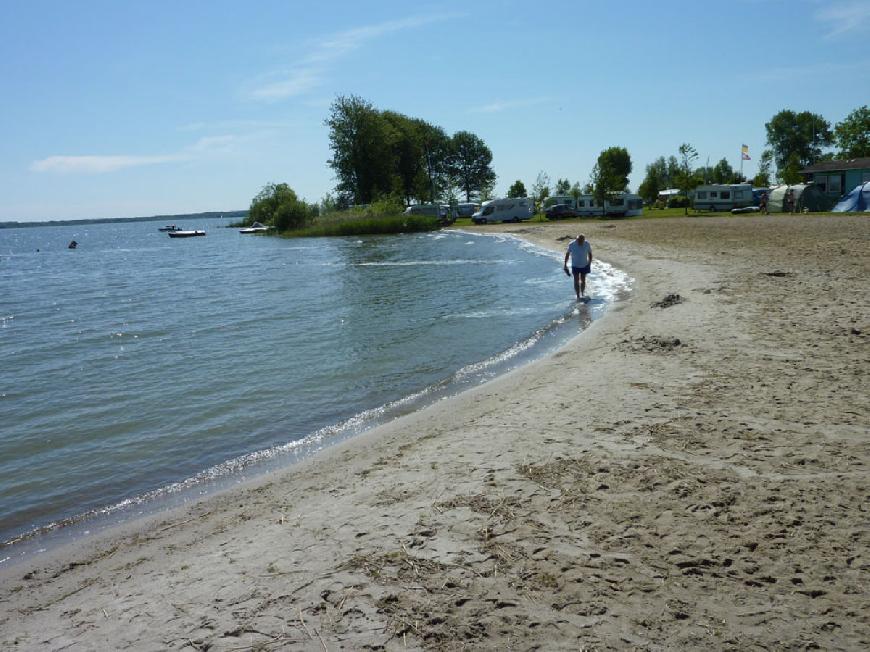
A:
[563,187]
[409,173]
[852,135]
[791,174]
[610,174]
[797,136]
[487,192]
[655,181]
[361,141]
[765,164]
[687,179]
[722,172]
[469,163]
[541,188]
[277,205]
[576,191]
[518,189]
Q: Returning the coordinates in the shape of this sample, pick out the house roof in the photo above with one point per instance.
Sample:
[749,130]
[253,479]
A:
[841,164]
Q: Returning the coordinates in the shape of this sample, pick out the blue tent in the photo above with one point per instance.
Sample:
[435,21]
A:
[856,201]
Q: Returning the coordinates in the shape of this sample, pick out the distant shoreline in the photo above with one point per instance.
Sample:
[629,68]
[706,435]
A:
[109,220]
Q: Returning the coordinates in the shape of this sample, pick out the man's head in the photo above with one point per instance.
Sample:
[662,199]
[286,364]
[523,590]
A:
[581,238]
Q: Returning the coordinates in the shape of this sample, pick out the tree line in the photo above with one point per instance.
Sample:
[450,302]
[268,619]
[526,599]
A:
[391,160]
[378,154]
[609,177]
[795,140]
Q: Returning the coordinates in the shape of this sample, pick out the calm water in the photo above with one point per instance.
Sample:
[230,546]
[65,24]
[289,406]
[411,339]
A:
[138,365]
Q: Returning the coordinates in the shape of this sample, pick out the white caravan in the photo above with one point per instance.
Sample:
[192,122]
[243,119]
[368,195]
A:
[624,204]
[505,210]
[552,200]
[723,197]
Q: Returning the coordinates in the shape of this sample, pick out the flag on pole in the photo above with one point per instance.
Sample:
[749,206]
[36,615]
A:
[744,153]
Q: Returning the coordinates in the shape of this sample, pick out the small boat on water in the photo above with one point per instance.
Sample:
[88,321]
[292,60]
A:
[169,227]
[256,227]
[184,234]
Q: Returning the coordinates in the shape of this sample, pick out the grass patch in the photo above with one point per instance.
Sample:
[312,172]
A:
[343,224]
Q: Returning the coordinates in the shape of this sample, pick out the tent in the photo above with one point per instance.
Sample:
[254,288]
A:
[804,197]
[855,201]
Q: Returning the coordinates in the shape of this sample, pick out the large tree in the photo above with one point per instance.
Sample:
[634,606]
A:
[799,137]
[518,189]
[852,135]
[376,154]
[610,174]
[469,163]
[661,174]
[436,151]
[361,141]
[409,173]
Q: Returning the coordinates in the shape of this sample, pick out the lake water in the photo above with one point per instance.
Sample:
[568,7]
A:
[138,366]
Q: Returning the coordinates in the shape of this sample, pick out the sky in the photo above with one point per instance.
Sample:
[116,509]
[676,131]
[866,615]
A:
[137,108]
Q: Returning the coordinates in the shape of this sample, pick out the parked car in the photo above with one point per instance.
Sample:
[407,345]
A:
[561,212]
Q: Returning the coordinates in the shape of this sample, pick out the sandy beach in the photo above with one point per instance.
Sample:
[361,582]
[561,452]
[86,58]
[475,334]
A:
[689,473]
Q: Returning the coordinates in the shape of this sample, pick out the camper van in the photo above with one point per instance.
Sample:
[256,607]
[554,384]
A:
[441,211]
[466,209]
[446,214]
[505,210]
[723,197]
[624,204]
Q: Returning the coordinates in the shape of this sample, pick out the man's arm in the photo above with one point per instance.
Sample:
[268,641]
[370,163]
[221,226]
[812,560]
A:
[567,253]
[590,255]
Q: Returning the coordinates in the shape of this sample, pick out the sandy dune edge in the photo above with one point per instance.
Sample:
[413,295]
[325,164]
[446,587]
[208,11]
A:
[688,476]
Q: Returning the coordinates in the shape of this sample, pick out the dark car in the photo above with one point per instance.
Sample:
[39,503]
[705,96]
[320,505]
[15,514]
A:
[561,211]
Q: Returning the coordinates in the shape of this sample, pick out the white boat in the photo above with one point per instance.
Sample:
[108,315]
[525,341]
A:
[184,234]
[256,227]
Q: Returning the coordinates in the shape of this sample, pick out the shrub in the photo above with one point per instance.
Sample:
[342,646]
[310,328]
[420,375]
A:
[277,205]
[679,201]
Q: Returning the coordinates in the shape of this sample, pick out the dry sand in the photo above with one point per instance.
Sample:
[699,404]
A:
[681,476]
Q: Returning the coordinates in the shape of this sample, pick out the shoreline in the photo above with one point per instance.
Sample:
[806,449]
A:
[710,498]
[283,457]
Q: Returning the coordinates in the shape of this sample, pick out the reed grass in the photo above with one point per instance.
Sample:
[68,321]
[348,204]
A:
[339,224]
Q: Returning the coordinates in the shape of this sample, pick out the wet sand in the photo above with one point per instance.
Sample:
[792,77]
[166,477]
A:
[691,472]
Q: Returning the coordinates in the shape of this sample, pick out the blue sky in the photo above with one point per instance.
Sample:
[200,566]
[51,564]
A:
[140,108]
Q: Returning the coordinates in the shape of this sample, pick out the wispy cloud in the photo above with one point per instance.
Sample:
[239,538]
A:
[505,105]
[810,71]
[311,71]
[844,17]
[235,125]
[290,84]
[100,164]
[95,164]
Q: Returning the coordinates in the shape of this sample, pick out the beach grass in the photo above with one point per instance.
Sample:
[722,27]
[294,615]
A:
[344,224]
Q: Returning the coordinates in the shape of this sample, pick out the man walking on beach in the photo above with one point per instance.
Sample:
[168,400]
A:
[581,263]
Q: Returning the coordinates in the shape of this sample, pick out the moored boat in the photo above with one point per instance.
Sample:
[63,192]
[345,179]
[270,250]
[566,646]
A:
[256,227]
[184,234]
